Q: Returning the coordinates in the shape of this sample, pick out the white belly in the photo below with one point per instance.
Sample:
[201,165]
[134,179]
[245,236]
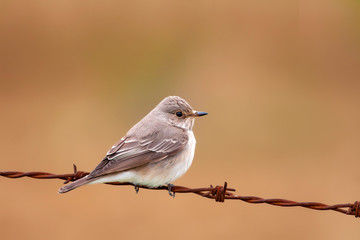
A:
[158,174]
[183,160]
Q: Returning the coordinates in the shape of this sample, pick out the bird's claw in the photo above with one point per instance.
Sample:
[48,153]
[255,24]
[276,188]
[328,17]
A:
[171,193]
[137,189]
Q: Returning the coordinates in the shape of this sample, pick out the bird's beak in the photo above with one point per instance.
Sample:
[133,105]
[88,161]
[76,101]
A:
[199,114]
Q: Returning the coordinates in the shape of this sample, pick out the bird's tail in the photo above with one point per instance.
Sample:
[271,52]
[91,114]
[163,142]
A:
[77,183]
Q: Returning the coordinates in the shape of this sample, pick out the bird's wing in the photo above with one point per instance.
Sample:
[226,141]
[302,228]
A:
[130,152]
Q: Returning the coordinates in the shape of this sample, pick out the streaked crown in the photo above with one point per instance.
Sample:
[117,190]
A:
[173,104]
[177,112]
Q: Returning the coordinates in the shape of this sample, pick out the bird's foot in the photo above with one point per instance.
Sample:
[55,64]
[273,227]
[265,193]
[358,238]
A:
[137,189]
[171,193]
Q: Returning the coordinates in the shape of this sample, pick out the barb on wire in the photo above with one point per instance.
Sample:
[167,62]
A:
[219,193]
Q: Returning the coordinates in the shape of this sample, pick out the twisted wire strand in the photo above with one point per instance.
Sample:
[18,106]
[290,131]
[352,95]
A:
[218,193]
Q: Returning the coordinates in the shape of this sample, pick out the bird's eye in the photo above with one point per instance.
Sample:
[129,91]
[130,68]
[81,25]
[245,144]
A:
[179,114]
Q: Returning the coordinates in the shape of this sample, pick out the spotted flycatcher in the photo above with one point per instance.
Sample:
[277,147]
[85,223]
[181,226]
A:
[156,151]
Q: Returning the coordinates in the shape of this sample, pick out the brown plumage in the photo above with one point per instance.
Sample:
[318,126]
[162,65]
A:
[154,152]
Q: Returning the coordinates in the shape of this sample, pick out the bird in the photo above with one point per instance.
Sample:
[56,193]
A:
[154,152]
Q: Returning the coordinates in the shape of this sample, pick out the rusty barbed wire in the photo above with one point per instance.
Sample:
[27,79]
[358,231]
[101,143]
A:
[218,193]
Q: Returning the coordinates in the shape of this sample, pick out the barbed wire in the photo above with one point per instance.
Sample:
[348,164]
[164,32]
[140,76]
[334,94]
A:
[219,193]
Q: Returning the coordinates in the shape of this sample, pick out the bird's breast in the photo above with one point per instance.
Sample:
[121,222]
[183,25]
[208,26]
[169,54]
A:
[190,152]
[169,169]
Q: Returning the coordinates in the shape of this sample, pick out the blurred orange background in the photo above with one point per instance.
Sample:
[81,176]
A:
[280,80]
